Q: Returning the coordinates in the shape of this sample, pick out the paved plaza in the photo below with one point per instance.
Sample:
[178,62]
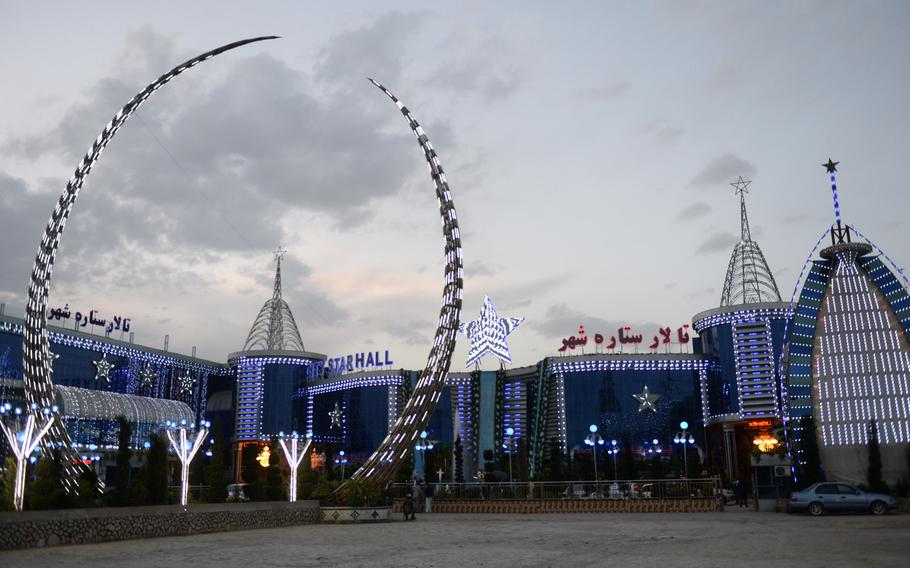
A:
[667,540]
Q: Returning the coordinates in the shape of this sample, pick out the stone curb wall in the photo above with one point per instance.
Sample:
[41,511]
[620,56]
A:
[33,529]
[701,505]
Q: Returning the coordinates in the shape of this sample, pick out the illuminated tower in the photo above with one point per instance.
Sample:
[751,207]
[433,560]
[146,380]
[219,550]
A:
[744,336]
[848,361]
[749,280]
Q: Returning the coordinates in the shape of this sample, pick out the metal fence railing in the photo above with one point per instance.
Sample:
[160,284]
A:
[566,490]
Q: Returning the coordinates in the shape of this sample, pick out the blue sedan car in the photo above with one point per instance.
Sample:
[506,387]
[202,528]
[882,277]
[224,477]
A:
[832,496]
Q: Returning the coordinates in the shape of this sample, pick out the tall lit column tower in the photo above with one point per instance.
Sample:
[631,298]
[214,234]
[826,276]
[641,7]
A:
[745,337]
[848,362]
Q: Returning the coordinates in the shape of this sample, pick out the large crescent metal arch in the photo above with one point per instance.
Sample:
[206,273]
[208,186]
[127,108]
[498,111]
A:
[381,466]
[39,387]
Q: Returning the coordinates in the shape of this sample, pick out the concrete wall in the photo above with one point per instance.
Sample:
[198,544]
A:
[693,505]
[31,529]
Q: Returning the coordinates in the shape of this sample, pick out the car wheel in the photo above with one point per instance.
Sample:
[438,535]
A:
[878,508]
[816,509]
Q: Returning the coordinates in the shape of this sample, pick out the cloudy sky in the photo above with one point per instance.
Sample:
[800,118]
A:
[589,147]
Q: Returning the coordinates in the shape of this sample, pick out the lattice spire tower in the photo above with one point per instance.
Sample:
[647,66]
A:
[274,328]
[749,279]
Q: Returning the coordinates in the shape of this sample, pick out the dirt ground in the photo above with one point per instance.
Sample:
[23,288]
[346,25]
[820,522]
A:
[667,540]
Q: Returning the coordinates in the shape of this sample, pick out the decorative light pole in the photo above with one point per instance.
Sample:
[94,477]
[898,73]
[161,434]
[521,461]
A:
[684,438]
[23,439]
[341,460]
[613,450]
[294,455]
[423,446]
[594,440]
[185,450]
[509,445]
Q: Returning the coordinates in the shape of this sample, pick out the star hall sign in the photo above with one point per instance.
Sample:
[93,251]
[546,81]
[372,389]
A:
[349,363]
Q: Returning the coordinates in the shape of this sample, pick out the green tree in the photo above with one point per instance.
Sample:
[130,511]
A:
[810,466]
[459,460]
[275,477]
[554,466]
[214,473]
[876,482]
[89,492]
[306,479]
[124,454]
[155,471]
[628,465]
[47,491]
[8,485]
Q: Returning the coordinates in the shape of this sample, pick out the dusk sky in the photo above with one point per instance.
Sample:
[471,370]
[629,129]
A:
[588,145]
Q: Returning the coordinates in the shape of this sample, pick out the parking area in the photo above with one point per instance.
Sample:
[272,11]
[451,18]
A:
[702,540]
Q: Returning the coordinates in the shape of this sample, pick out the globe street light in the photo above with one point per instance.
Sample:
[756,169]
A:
[341,460]
[613,450]
[423,445]
[684,437]
[594,440]
[509,445]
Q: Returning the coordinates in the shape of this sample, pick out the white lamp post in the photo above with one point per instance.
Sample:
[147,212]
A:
[508,445]
[423,445]
[186,451]
[294,455]
[341,459]
[23,439]
[614,449]
[594,440]
[684,438]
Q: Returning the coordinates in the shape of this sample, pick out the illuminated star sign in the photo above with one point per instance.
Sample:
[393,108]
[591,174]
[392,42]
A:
[146,376]
[646,400]
[103,369]
[186,383]
[488,334]
[335,416]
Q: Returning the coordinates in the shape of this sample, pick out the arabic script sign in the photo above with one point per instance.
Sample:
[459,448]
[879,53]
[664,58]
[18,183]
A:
[626,336]
[117,323]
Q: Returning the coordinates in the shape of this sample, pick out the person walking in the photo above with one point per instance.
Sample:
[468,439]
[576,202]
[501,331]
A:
[739,491]
[428,498]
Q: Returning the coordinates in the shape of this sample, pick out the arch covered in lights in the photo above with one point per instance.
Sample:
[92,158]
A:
[402,437]
[36,361]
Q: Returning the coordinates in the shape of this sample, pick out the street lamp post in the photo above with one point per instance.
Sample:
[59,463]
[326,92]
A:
[684,437]
[594,440]
[614,449]
[341,460]
[508,444]
[423,445]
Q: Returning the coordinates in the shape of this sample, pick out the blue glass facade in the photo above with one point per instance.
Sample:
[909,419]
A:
[605,398]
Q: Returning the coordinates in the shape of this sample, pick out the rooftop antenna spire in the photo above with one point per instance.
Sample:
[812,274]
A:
[741,188]
[275,327]
[841,232]
[749,279]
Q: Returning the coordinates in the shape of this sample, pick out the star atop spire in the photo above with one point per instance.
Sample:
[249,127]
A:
[741,186]
[831,166]
[488,334]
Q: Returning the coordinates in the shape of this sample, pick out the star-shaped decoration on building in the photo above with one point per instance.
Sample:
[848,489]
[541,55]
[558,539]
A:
[103,369]
[488,334]
[741,185]
[185,383]
[146,376]
[646,400]
[335,416]
[831,166]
